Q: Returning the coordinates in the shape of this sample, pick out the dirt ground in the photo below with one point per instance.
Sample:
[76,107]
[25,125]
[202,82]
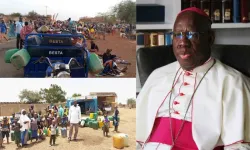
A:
[124,48]
[88,138]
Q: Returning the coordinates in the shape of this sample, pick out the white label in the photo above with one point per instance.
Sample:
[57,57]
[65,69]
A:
[55,53]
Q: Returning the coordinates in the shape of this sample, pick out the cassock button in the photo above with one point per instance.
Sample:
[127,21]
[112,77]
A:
[185,83]
[175,102]
[188,73]
[176,112]
[182,94]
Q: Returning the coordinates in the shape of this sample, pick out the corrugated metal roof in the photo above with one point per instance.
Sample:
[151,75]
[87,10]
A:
[19,103]
[103,93]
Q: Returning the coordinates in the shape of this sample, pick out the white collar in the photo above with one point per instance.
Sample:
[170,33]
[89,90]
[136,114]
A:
[199,69]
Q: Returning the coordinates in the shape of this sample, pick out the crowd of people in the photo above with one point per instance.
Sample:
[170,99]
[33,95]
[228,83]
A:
[31,125]
[20,29]
[34,125]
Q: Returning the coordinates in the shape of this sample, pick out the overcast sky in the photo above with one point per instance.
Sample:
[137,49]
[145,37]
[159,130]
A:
[124,88]
[66,8]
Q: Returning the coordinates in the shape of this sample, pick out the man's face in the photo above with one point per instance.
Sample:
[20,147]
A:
[75,102]
[192,52]
[24,112]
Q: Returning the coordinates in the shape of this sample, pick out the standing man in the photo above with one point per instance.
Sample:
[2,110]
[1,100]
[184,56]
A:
[25,124]
[19,41]
[74,119]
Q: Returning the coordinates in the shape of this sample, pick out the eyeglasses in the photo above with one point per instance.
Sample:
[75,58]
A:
[188,35]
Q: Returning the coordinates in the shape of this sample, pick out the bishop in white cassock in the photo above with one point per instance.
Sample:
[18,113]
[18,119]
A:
[197,102]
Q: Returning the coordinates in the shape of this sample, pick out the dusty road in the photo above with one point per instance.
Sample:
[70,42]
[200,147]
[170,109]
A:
[123,48]
[89,139]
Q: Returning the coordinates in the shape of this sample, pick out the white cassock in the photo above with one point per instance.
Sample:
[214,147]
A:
[219,114]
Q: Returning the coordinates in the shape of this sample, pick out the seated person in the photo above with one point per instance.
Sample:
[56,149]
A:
[93,47]
[109,63]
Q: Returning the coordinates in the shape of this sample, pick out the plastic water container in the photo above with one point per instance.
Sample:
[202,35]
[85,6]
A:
[45,131]
[118,141]
[100,124]
[95,64]
[125,138]
[95,116]
[20,59]
[82,123]
[91,115]
[49,132]
[8,54]
[111,124]
[64,132]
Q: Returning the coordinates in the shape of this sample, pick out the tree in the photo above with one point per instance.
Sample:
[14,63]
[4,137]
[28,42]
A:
[108,17]
[131,102]
[126,11]
[54,94]
[76,95]
[28,96]
[33,15]
[17,14]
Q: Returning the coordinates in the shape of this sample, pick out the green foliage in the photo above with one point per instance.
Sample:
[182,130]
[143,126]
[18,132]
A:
[33,14]
[126,11]
[16,14]
[131,101]
[54,94]
[27,96]
[76,95]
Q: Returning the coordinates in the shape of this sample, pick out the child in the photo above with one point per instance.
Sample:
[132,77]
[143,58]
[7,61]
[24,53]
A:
[6,129]
[17,133]
[12,118]
[53,133]
[34,127]
[1,136]
[105,128]
[55,118]
[40,125]
[49,119]
[64,121]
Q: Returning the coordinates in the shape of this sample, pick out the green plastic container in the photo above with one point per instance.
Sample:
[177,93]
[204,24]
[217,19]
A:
[86,124]
[20,59]
[57,132]
[110,118]
[29,135]
[95,116]
[45,131]
[95,64]
[12,136]
[95,125]
[86,120]
[90,124]
[8,54]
